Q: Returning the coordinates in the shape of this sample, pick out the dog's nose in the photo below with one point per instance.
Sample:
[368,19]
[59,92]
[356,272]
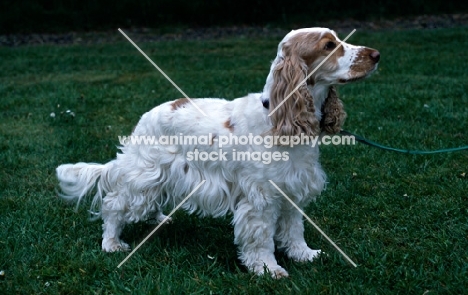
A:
[375,56]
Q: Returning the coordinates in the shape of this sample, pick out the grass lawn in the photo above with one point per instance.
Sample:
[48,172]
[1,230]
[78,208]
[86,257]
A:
[402,218]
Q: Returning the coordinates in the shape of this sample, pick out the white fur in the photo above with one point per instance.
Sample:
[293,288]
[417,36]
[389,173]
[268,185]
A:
[143,179]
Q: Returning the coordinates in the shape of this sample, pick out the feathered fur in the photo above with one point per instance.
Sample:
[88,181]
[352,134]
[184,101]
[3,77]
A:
[333,112]
[297,113]
[146,178]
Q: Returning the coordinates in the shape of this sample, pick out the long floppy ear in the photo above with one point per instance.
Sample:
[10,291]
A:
[333,114]
[297,114]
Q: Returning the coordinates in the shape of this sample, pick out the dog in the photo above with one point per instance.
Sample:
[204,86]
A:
[299,99]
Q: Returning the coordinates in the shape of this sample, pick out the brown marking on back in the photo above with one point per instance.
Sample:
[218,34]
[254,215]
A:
[229,125]
[213,140]
[179,103]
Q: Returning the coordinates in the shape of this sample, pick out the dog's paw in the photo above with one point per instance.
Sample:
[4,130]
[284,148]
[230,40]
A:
[163,218]
[278,272]
[124,247]
[303,254]
[275,271]
[159,218]
[111,245]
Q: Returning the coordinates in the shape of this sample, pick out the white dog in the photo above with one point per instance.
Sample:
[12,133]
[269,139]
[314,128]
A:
[148,177]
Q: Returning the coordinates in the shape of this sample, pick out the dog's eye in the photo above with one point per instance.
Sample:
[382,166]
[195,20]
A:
[330,45]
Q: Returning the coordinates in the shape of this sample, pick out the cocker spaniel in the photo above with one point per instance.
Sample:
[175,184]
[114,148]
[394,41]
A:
[237,149]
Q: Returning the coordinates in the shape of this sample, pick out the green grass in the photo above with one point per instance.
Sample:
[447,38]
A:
[402,218]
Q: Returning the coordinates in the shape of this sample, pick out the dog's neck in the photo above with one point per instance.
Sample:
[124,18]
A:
[319,92]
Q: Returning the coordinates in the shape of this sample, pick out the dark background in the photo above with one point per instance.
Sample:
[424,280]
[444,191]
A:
[39,16]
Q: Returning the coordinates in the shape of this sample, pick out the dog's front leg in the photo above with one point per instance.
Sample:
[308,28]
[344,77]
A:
[254,230]
[289,235]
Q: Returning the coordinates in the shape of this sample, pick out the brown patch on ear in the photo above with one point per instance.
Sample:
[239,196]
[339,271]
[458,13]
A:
[297,114]
[304,46]
[179,103]
[311,46]
[229,125]
[333,114]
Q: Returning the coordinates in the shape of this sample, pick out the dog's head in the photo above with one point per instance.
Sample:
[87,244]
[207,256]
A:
[316,53]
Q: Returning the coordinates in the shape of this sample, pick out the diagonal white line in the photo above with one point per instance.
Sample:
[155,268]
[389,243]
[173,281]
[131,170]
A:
[161,71]
[316,226]
[311,73]
[162,222]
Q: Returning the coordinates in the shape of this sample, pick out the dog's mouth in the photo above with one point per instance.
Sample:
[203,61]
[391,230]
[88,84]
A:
[358,77]
[354,79]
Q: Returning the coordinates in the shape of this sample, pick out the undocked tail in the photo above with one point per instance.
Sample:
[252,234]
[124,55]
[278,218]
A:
[78,180]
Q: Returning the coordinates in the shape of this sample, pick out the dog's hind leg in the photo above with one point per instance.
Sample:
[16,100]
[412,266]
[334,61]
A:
[157,217]
[113,214]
